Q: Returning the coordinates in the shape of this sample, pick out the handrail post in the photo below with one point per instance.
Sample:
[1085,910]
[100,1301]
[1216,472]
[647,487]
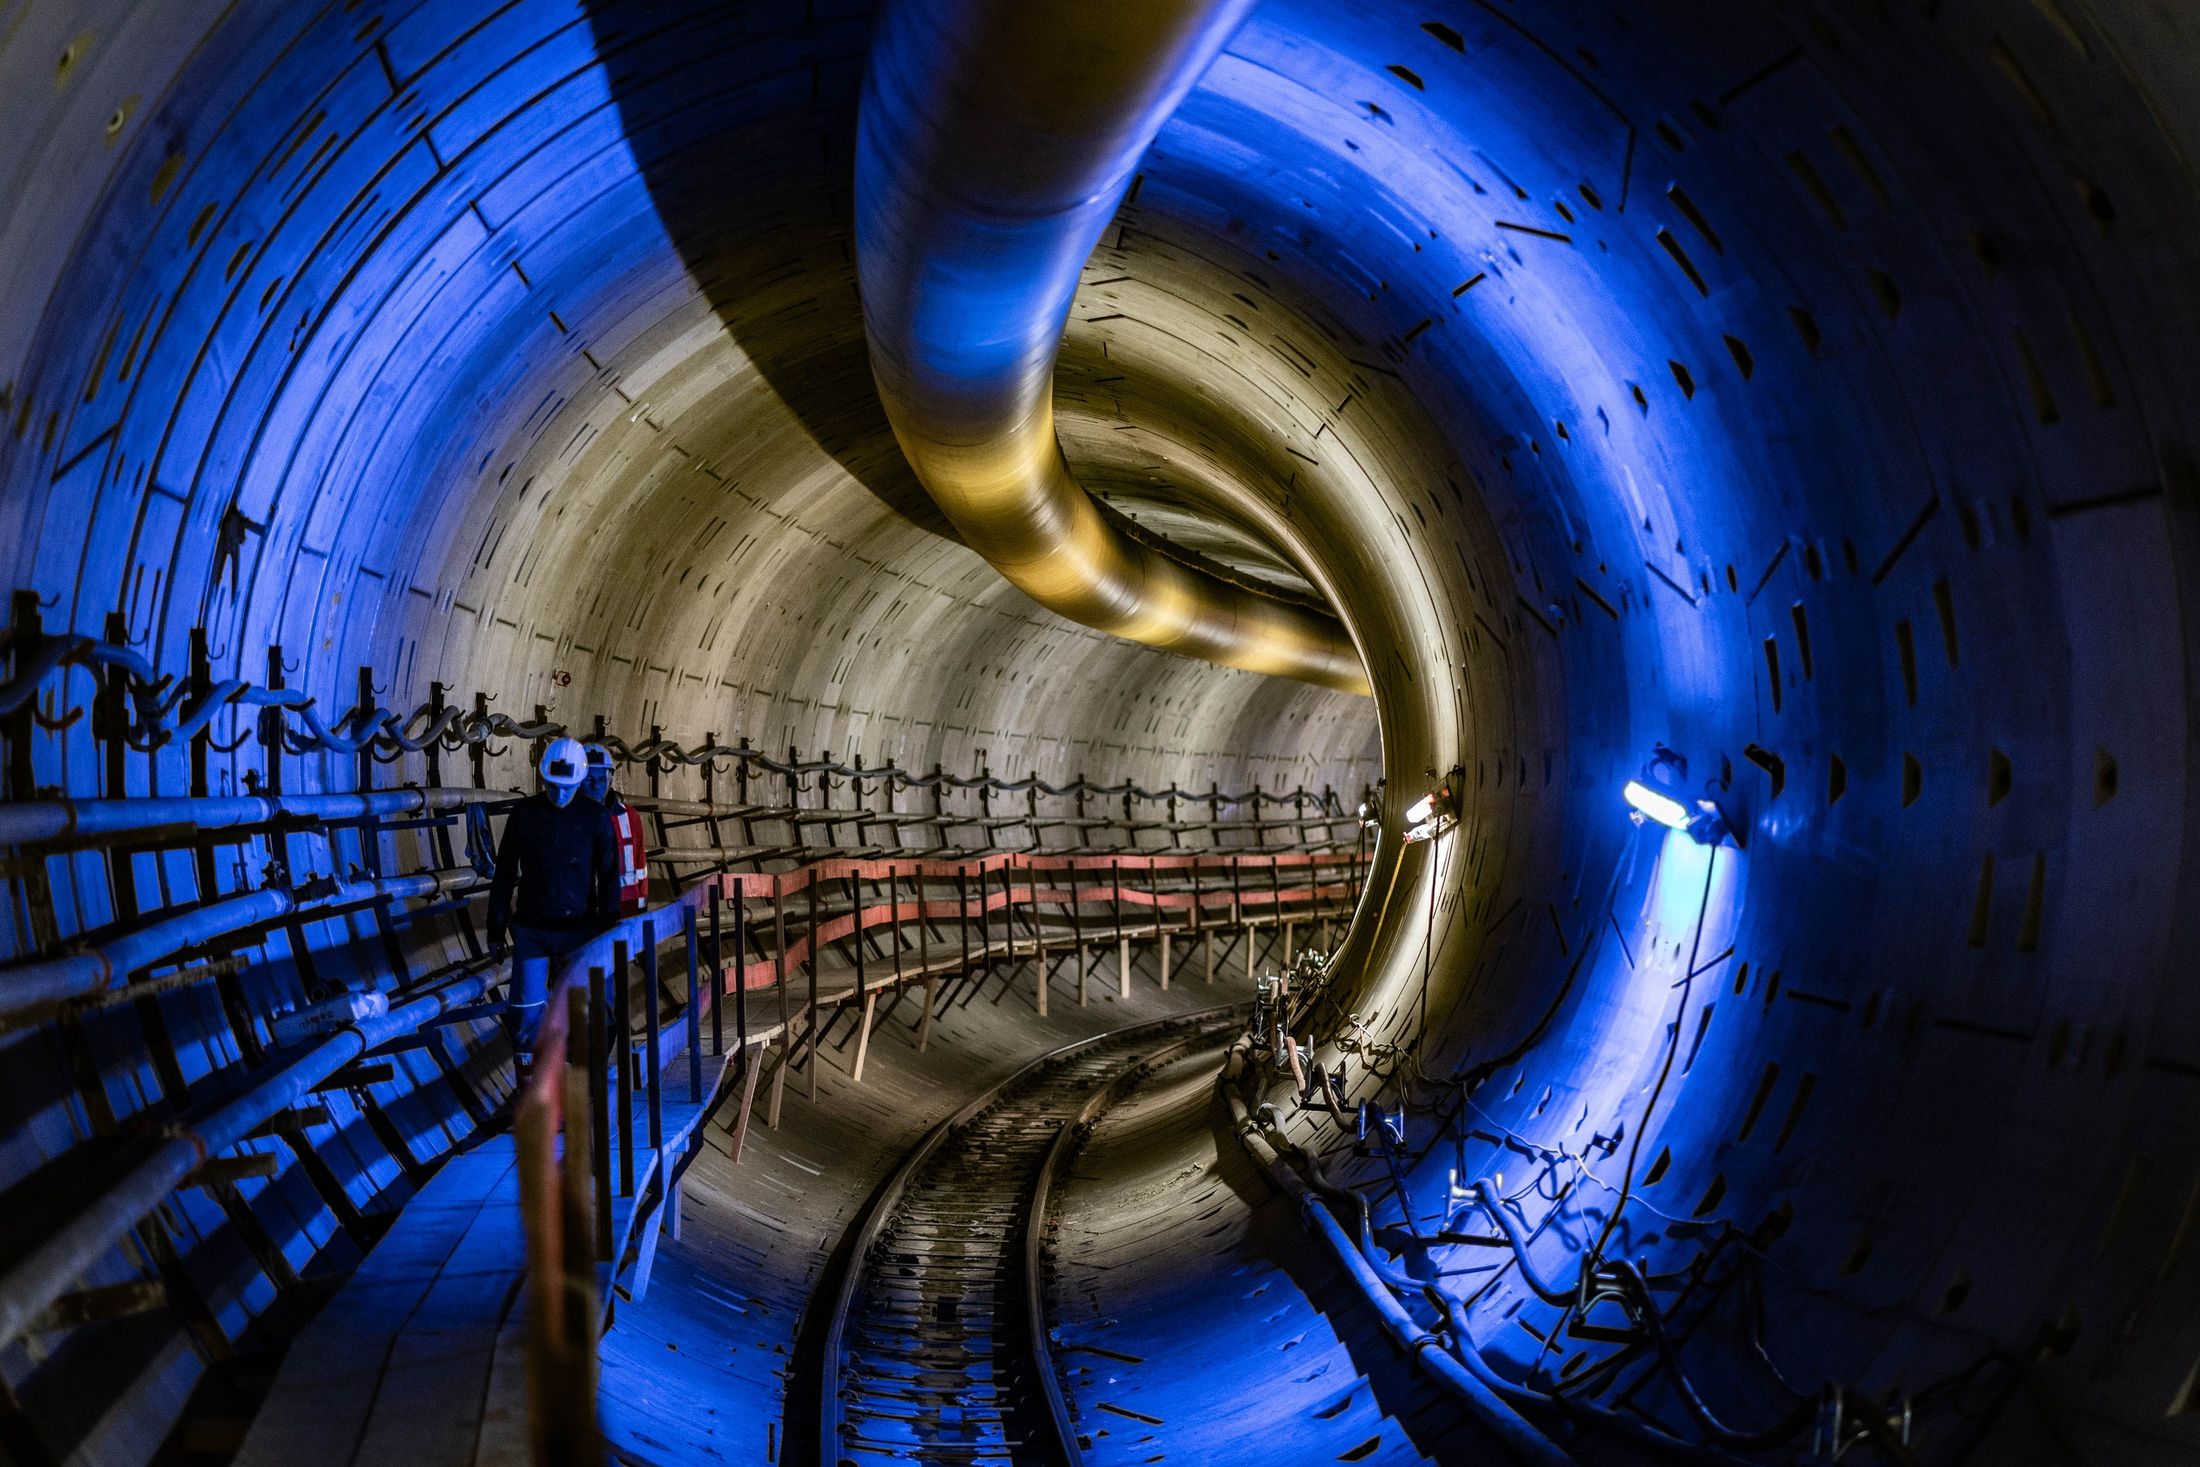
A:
[1077,926]
[654,1093]
[695,998]
[1237,910]
[855,920]
[566,1430]
[1122,935]
[985,918]
[779,965]
[741,979]
[1205,928]
[622,1029]
[811,1037]
[583,1162]
[599,1062]
[718,971]
[924,960]
[1008,908]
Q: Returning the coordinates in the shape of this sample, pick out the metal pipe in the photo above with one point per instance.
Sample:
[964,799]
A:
[1549,1290]
[42,820]
[995,140]
[95,969]
[53,1268]
[1519,1436]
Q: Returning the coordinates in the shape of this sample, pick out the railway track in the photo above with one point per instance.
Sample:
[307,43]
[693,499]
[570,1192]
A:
[937,1346]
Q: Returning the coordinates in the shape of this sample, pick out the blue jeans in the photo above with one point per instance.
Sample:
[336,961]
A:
[533,948]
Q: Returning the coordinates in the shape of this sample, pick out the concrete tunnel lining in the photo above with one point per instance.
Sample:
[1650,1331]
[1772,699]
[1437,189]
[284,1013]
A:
[1802,391]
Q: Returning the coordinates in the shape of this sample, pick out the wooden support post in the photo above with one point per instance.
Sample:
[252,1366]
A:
[1250,944]
[1042,971]
[1164,958]
[779,1076]
[924,1025]
[863,1033]
[1208,939]
[752,1067]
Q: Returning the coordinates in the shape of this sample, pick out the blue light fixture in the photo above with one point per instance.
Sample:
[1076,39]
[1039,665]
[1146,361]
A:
[1650,805]
[1703,824]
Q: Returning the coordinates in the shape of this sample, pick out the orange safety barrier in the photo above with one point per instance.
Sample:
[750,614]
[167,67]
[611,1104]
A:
[803,880]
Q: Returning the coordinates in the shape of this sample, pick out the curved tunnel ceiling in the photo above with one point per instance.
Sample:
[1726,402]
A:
[1801,390]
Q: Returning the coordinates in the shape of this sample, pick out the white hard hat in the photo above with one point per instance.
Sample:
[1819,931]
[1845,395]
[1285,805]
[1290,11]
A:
[599,757]
[563,763]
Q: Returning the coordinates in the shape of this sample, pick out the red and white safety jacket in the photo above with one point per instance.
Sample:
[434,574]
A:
[626,824]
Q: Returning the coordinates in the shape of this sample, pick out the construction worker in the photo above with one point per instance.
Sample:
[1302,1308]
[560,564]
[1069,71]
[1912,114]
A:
[558,858]
[626,826]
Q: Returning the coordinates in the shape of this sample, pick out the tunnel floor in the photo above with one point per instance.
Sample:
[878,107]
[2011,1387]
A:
[732,1314]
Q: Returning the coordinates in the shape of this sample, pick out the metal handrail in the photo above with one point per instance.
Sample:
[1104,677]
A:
[166,711]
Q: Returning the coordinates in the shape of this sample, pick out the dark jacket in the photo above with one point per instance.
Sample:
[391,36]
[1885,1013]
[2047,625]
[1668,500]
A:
[562,863]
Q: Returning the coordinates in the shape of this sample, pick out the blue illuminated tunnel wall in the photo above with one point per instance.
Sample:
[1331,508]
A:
[1802,389]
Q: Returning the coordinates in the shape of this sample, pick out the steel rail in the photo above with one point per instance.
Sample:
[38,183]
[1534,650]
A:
[884,1204]
[1042,1357]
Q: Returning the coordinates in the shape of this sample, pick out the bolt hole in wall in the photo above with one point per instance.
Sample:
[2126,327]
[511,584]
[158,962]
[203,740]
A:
[519,352]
